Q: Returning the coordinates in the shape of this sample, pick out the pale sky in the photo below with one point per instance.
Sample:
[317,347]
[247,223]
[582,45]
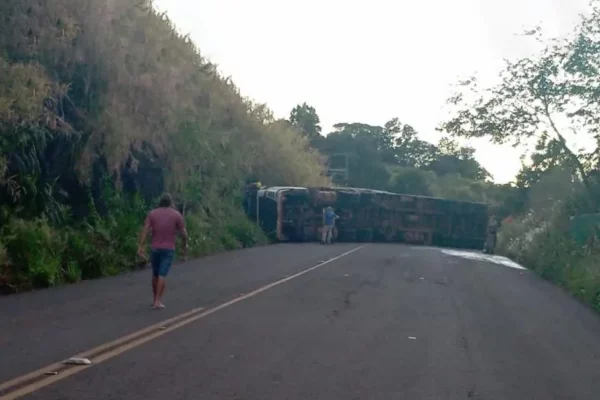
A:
[369,61]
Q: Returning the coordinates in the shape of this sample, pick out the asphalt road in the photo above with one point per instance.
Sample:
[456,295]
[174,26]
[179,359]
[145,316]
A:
[382,322]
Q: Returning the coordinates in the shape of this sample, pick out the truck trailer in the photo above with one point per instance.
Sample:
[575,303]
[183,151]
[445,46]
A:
[295,214]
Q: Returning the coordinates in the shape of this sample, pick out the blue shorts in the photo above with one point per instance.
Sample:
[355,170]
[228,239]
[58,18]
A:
[161,260]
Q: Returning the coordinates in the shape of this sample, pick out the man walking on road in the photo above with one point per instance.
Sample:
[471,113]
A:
[330,217]
[164,223]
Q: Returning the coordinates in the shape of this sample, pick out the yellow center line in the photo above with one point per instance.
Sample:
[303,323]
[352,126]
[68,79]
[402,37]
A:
[136,339]
[95,350]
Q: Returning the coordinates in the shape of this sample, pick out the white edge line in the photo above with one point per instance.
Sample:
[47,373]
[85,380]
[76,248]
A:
[277,283]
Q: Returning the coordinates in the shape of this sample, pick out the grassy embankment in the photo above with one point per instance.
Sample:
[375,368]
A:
[103,106]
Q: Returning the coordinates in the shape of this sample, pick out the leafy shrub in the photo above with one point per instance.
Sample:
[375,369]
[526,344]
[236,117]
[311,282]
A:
[540,240]
[3,255]
[35,252]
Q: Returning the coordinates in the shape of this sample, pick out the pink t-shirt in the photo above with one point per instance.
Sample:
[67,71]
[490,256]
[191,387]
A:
[164,223]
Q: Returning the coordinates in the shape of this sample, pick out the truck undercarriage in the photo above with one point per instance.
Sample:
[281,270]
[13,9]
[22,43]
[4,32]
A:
[296,214]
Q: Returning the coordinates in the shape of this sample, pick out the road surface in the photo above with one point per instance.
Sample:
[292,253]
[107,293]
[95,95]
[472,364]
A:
[306,322]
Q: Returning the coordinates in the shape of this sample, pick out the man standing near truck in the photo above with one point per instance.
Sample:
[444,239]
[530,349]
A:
[329,217]
[492,235]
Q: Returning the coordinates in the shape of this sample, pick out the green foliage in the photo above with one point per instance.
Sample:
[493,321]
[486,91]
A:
[454,186]
[453,159]
[3,254]
[134,93]
[544,98]
[39,253]
[34,249]
[35,254]
[548,250]
[392,157]
[306,119]
[101,101]
[541,240]
[220,227]
[411,180]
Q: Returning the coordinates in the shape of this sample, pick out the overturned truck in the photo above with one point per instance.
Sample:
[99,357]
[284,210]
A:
[296,214]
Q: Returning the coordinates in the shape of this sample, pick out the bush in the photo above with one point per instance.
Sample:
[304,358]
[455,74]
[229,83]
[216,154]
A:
[36,254]
[35,251]
[541,241]
[225,228]
[3,255]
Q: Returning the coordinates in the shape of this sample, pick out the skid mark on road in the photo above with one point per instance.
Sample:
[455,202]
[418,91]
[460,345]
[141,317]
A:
[483,257]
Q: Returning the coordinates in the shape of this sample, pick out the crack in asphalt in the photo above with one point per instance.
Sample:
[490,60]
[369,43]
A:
[376,283]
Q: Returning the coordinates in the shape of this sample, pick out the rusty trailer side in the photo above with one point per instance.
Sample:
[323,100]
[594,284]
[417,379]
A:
[296,214]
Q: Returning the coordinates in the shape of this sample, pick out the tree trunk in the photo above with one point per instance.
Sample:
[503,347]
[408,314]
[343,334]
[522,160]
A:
[585,179]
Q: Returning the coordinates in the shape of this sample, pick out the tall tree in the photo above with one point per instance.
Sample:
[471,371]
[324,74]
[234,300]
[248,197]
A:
[451,158]
[409,150]
[305,117]
[549,154]
[367,148]
[541,98]
[392,157]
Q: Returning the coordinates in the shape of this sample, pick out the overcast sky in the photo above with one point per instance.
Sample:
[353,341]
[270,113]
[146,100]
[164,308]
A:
[369,61]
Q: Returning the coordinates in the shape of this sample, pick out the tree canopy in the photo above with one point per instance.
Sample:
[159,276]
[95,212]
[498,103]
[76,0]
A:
[393,157]
[306,119]
[549,98]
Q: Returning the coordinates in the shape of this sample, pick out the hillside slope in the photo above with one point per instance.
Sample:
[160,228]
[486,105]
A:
[103,106]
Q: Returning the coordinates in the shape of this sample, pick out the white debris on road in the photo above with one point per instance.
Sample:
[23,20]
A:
[483,257]
[77,361]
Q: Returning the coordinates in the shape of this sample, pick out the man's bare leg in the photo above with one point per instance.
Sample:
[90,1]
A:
[160,290]
[155,291]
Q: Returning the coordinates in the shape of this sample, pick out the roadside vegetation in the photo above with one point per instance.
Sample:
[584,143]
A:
[104,106]
[548,101]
